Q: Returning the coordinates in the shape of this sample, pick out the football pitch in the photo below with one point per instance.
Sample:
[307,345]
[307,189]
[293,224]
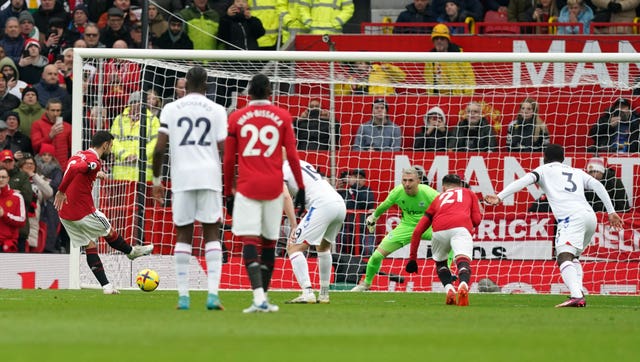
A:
[64,325]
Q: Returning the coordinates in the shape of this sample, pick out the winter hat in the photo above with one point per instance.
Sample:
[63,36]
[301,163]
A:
[29,89]
[47,148]
[3,125]
[135,97]
[595,164]
[81,7]
[6,155]
[435,110]
[31,42]
[25,15]
[12,114]
[440,31]
[381,101]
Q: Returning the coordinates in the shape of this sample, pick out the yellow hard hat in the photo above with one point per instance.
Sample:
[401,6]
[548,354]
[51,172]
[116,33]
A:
[441,31]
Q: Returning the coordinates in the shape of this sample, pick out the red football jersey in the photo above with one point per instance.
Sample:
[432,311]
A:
[256,135]
[77,183]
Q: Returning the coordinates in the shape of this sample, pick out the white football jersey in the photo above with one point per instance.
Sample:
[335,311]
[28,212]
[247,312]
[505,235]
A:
[195,125]
[564,187]
[316,188]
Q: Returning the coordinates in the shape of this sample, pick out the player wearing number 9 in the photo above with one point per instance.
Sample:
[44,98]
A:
[257,134]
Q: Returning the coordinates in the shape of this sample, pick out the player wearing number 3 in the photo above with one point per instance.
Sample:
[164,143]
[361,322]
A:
[564,187]
[257,134]
[453,215]
[195,128]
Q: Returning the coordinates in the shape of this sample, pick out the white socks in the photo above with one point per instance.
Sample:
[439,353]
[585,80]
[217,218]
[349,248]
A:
[213,256]
[578,266]
[324,267]
[570,278]
[182,255]
[300,269]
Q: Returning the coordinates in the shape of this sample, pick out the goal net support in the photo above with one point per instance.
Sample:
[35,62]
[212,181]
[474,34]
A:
[511,103]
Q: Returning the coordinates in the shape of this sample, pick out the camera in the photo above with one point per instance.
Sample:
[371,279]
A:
[240,10]
[314,114]
[538,6]
[25,53]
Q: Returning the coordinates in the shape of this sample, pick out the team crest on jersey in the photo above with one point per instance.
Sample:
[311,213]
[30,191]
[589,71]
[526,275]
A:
[9,203]
[421,204]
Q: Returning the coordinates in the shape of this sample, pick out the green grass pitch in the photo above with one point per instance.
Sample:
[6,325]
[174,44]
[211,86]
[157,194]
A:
[64,325]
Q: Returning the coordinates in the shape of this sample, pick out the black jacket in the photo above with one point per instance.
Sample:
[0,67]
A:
[616,191]
[238,32]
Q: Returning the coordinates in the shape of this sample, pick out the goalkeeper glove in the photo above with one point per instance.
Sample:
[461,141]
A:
[229,204]
[371,223]
[412,267]
[300,201]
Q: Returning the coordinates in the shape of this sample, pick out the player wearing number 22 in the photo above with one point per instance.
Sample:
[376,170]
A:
[564,187]
[195,128]
[257,134]
[452,215]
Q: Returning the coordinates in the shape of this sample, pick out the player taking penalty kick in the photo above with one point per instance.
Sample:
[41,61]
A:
[83,222]
[452,215]
[564,187]
[256,135]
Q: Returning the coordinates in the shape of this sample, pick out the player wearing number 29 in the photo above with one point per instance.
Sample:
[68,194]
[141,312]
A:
[257,134]
[195,128]
[78,214]
[318,227]
[452,215]
[564,187]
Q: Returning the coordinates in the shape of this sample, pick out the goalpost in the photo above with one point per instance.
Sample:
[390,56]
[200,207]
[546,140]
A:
[513,248]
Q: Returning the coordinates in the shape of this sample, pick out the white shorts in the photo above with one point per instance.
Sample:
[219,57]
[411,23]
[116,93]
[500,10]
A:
[257,217]
[459,239]
[322,221]
[575,232]
[89,228]
[202,205]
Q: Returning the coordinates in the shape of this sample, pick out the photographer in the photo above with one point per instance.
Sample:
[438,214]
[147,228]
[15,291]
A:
[312,128]
[31,63]
[239,30]
[617,130]
[55,42]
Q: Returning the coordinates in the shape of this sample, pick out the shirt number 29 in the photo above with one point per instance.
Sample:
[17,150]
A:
[268,136]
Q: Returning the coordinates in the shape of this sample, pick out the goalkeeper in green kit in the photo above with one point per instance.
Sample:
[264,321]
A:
[413,199]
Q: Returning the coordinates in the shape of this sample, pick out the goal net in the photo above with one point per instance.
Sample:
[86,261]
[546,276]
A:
[483,116]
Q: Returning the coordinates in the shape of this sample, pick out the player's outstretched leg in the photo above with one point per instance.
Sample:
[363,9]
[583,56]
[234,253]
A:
[373,267]
[182,255]
[324,267]
[213,256]
[95,264]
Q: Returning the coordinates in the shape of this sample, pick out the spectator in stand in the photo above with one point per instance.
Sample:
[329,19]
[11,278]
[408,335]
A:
[12,42]
[51,129]
[50,168]
[7,100]
[313,127]
[202,25]
[435,133]
[517,10]
[92,36]
[361,75]
[458,74]
[135,33]
[32,64]
[29,110]
[126,145]
[49,87]
[474,132]
[619,11]
[11,74]
[180,88]
[617,129]
[496,5]
[238,29]
[13,214]
[41,191]
[417,12]
[4,132]
[359,197]
[18,181]
[13,10]
[18,142]
[575,12]
[472,8]
[168,7]
[453,13]
[327,16]
[154,102]
[292,21]
[541,12]
[27,26]
[75,29]
[48,10]
[128,17]
[157,23]
[380,133]
[175,37]
[115,29]
[528,132]
[615,187]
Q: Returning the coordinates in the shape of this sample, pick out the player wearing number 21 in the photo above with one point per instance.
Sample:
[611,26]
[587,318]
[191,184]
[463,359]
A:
[564,187]
[257,134]
[195,128]
[453,215]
